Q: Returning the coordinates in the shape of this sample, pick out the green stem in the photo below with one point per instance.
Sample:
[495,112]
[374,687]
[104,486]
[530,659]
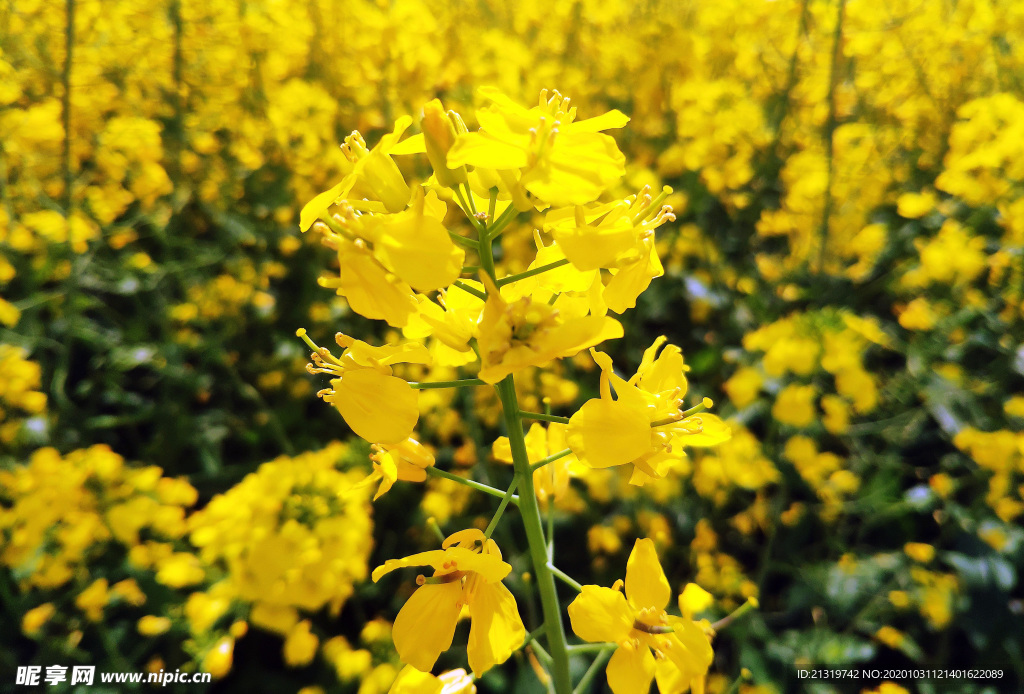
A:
[503,221]
[469,211]
[448,384]
[750,604]
[541,417]
[463,241]
[579,648]
[595,667]
[542,655]
[533,525]
[491,205]
[550,459]
[532,636]
[530,273]
[436,529]
[550,535]
[470,483]
[501,507]
[565,578]
[466,288]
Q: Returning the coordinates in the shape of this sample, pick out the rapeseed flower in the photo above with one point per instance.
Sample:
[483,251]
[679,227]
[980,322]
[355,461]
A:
[543,151]
[412,681]
[467,572]
[639,624]
[407,460]
[530,332]
[643,425]
[379,406]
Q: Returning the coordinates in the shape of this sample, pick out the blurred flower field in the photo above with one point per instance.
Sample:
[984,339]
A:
[837,251]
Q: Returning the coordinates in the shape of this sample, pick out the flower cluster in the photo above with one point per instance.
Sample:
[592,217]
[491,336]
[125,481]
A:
[402,260]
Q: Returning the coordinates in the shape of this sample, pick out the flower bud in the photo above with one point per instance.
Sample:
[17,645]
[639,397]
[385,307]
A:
[439,135]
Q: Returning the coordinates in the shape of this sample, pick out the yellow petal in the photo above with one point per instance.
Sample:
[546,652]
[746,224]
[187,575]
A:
[604,433]
[497,629]
[487,150]
[606,121]
[379,408]
[631,281]
[664,373]
[412,681]
[646,585]
[414,144]
[370,290]
[713,431]
[389,474]
[631,670]
[694,599]
[690,635]
[418,248]
[600,614]
[312,210]
[593,247]
[426,623]
[435,558]
[581,166]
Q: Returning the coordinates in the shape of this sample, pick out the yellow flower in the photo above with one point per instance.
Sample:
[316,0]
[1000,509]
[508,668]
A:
[552,480]
[379,407]
[180,569]
[638,623]
[794,405]
[373,175]
[412,681]
[301,644]
[529,332]
[452,321]
[407,460]
[439,132]
[93,599]
[151,625]
[467,571]
[744,386]
[559,161]
[370,289]
[218,659]
[608,235]
[644,425]
[415,244]
[890,637]
[919,551]
[34,619]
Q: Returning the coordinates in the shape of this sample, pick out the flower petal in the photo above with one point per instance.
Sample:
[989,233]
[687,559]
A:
[631,670]
[646,585]
[379,408]
[600,614]
[604,433]
[497,629]
[412,681]
[426,623]
[435,558]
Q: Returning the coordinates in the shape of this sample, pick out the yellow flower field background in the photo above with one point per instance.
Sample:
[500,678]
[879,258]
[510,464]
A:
[806,216]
